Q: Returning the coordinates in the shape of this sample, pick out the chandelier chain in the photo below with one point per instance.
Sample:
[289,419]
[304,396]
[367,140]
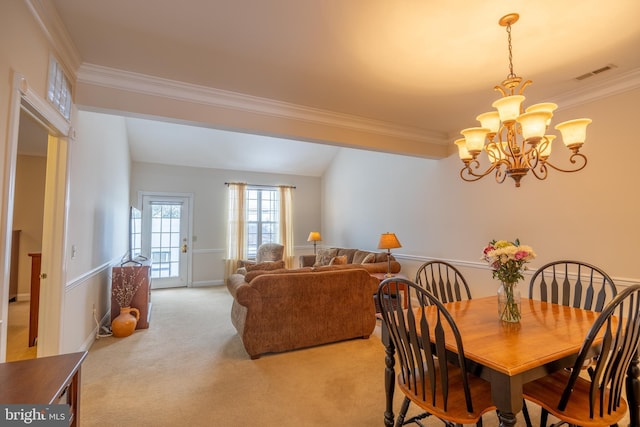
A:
[511,73]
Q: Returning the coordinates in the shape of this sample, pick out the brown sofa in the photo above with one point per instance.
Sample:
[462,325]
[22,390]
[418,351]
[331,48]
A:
[288,309]
[354,257]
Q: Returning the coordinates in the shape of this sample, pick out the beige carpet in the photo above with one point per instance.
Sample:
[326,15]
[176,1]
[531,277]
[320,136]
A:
[190,369]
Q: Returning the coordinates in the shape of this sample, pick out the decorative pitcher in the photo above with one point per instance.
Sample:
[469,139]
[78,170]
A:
[125,323]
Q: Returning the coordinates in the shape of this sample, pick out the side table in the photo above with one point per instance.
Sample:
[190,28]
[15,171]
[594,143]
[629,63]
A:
[45,380]
[401,286]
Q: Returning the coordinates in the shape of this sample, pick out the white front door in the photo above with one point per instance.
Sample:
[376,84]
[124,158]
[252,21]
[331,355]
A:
[166,238]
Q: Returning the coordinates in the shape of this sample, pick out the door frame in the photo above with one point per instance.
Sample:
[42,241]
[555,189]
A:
[189,201]
[54,218]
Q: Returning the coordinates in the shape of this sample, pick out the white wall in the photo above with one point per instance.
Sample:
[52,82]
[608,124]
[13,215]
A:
[209,192]
[590,215]
[98,222]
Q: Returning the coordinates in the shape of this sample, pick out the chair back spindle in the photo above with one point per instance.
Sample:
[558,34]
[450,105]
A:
[443,280]
[572,283]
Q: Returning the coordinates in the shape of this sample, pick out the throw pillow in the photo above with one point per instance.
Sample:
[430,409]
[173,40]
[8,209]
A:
[338,260]
[268,265]
[324,256]
[369,259]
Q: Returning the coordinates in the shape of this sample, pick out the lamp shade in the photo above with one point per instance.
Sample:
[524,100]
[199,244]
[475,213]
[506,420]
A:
[388,241]
[534,124]
[508,107]
[474,138]
[462,149]
[573,132]
[490,120]
[314,236]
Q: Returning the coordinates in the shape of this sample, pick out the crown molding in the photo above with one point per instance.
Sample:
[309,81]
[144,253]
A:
[155,86]
[621,83]
[56,33]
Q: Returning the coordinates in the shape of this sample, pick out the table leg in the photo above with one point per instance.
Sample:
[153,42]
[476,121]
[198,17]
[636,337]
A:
[389,375]
[507,419]
[506,393]
[633,391]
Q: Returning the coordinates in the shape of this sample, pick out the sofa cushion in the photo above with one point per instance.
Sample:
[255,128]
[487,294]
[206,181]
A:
[338,260]
[324,256]
[369,259]
[348,253]
[359,256]
[267,265]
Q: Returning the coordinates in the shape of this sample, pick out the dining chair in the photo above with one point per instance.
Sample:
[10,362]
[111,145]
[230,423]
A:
[442,389]
[572,283]
[596,401]
[575,284]
[447,283]
[443,280]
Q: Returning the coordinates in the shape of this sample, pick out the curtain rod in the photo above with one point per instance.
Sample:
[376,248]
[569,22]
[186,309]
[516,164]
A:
[260,185]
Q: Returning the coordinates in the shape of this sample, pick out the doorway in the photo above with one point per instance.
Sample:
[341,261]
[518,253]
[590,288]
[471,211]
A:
[166,225]
[28,209]
[24,99]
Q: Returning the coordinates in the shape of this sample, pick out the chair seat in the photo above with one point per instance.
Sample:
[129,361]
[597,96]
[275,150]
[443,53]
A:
[456,407]
[546,391]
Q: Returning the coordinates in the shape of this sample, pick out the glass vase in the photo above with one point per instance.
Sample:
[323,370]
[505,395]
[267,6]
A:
[509,302]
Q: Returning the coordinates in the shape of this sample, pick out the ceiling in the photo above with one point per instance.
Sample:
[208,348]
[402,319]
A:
[429,66]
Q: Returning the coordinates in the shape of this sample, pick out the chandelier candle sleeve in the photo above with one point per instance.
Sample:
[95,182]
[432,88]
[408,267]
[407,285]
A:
[514,138]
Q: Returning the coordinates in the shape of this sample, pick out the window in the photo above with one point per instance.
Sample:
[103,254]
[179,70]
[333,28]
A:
[59,89]
[135,237]
[262,217]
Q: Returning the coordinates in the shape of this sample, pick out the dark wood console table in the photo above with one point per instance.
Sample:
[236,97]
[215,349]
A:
[44,381]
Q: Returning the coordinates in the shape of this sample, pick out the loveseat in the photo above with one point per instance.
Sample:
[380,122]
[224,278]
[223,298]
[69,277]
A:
[373,262]
[275,311]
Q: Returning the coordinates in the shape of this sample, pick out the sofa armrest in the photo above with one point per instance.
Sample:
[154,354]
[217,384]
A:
[307,260]
[245,262]
[240,290]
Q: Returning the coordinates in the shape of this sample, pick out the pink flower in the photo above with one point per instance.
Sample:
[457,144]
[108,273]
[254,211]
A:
[521,255]
[488,248]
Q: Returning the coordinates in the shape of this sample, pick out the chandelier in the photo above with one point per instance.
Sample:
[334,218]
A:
[515,140]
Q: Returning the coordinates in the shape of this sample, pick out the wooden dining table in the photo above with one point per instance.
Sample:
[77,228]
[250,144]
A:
[507,355]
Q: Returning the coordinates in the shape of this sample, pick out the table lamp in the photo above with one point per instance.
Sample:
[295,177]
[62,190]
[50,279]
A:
[314,237]
[388,241]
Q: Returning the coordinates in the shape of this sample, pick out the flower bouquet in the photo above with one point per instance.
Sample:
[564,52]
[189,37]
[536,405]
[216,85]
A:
[507,260]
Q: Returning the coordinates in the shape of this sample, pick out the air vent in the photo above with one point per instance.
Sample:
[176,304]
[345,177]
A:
[595,72]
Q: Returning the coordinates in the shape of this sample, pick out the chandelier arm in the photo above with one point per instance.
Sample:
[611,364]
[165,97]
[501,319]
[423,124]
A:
[542,171]
[467,174]
[582,162]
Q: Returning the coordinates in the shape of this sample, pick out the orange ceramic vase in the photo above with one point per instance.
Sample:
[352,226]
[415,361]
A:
[125,323]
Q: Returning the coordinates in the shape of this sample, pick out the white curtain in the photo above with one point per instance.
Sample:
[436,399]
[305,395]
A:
[236,241]
[286,225]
